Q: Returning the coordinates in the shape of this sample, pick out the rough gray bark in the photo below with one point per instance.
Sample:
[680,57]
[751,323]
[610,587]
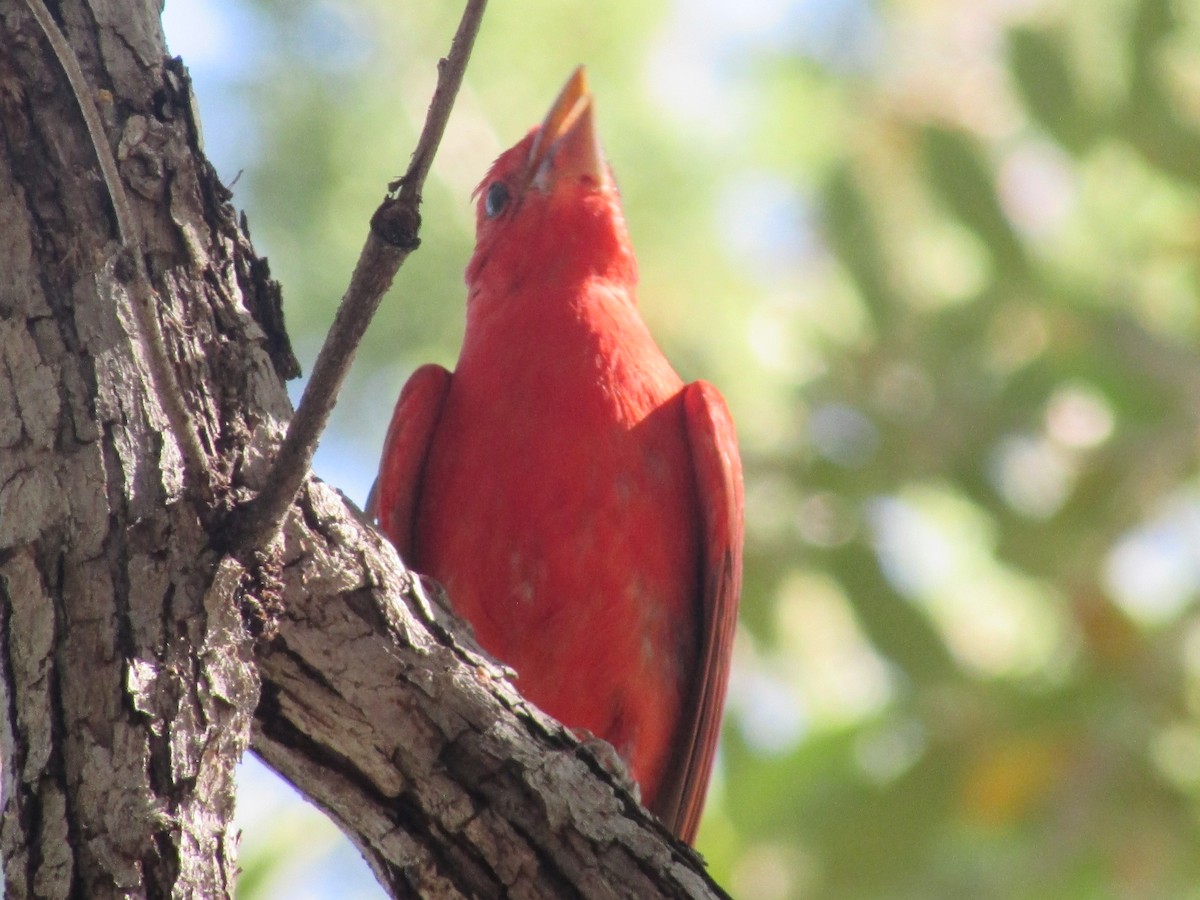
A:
[127,692]
[445,778]
[134,645]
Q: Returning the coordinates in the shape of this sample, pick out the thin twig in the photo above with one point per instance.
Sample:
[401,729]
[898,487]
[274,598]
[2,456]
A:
[91,117]
[450,76]
[392,238]
[162,372]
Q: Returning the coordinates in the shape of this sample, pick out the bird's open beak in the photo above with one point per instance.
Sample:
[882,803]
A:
[566,145]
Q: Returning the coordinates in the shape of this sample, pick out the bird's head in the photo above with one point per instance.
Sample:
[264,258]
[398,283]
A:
[548,208]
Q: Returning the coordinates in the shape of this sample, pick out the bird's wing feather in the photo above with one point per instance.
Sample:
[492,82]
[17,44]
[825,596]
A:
[393,501]
[718,471]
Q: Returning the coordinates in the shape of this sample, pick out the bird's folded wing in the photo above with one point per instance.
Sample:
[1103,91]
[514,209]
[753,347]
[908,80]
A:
[718,472]
[394,497]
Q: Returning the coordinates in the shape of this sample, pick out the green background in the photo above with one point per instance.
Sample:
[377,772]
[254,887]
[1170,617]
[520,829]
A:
[941,258]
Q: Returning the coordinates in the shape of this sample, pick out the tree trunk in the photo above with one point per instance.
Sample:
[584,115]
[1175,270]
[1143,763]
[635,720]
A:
[136,649]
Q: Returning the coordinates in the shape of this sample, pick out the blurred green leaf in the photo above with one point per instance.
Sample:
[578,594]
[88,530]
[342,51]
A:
[1039,64]
[852,236]
[962,179]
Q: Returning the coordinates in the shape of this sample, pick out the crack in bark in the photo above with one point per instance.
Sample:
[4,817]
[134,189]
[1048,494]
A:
[549,868]
[15,762]
[59,733]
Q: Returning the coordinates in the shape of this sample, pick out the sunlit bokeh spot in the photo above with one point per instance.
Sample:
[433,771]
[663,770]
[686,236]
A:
[938,550]
[1032,474]
[1153,572]
[1079,417]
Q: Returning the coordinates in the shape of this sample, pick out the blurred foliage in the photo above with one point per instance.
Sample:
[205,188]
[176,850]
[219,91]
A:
[942,260]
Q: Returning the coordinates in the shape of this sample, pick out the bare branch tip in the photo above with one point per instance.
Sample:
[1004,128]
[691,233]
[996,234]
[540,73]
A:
[393,235]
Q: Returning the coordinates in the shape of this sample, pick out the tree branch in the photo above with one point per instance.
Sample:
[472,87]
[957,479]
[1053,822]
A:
[393,236]
[377,707]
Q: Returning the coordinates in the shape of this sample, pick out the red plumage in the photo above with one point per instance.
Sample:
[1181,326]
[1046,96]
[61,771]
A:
[581,505]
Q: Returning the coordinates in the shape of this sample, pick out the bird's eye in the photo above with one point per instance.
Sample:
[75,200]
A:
[496,199]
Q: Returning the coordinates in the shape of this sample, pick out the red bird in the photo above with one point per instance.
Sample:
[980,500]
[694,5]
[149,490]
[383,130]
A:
[580,504]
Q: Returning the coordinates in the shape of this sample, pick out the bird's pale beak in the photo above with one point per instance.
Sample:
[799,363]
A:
[566,145]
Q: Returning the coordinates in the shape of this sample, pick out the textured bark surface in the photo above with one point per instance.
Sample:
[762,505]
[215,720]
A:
[134,648]
[128,693]
[450,784]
